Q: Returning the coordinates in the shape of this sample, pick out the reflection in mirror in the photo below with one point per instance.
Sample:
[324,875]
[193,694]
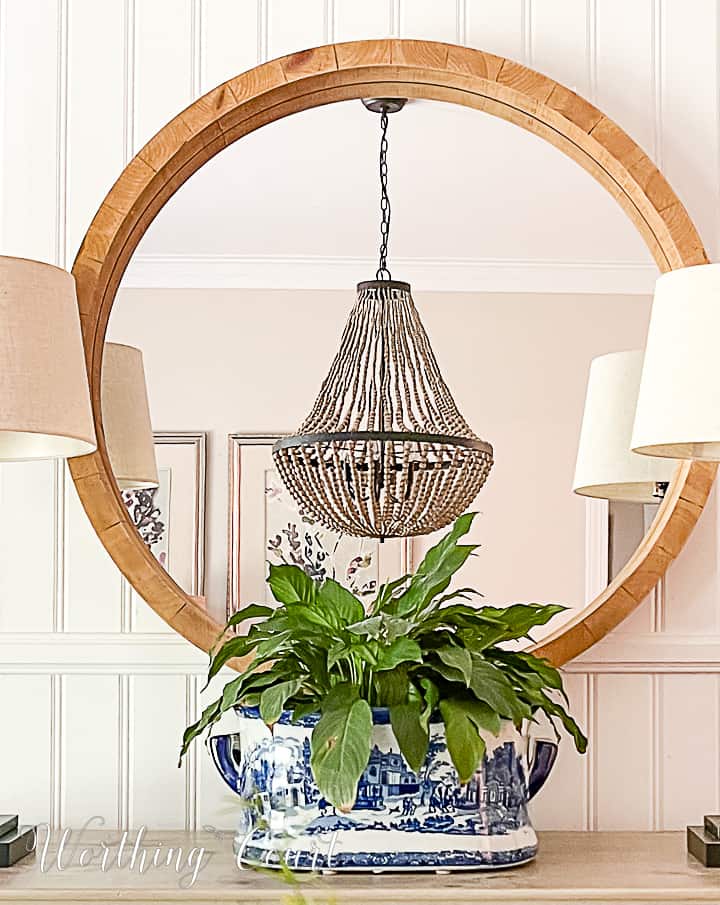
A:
[628,523]
[523,271]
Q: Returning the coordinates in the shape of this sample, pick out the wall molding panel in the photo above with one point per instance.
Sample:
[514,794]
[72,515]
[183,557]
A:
[92,701]
[156,271]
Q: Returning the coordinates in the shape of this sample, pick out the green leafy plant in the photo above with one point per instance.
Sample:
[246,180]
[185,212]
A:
[419,650]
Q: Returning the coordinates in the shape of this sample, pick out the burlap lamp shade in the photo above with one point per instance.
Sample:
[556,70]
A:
[45,407]
[126,418]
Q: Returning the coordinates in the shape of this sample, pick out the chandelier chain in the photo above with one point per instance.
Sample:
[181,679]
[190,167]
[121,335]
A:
[383,272]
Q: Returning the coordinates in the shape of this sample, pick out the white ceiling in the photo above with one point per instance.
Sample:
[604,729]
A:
[477,204]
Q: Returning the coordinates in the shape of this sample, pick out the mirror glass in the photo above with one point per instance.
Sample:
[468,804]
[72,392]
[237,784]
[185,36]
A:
[522,268]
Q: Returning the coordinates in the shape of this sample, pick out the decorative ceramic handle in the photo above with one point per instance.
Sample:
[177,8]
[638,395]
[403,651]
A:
[221,748]
[542,763]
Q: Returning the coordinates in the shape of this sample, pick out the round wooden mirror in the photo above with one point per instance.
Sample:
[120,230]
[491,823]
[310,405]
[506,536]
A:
[324,75]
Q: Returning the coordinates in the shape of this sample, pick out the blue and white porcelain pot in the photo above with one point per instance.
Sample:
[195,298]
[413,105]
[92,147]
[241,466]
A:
[400,820]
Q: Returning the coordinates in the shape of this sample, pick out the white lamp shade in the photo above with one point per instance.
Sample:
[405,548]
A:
[606,467]
[678,411]
[45,407]
[126,418]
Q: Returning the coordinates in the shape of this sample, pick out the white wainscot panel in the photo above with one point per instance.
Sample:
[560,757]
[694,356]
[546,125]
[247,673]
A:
[90,747]
[93,587]
[624,756]
[558,42]
[692,583]
[689,725]
[96,109]
[26,751]
[159,790]
[429,20]
[689,114]
[27,545]
[624,76]
[31,94]
[164,71]
[497,26]
[562,802]
[294,26]
[218,807]
[230,40]
[353,21]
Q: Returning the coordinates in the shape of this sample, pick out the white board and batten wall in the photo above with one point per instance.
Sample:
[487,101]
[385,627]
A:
[93,691]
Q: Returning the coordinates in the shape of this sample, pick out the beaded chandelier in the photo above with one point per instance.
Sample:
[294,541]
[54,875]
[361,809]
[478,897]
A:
[384,451]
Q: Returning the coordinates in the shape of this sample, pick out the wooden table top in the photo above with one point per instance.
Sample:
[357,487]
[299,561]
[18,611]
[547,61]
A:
[571,867]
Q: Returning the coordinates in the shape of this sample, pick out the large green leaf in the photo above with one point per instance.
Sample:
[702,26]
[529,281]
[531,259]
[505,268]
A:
[272,700]
[235,647]
[553,709]
[340,746]
[384,627]
[482,715]
[435,571]
[251,611]
[522,662]
[490,684]
[272,646]
[391,686]
[209,715]
[521,617]
[410,732]
[465,745]
[340,606]
[431,698]
[402,650]
[291,584]
[458,658]
[386,592]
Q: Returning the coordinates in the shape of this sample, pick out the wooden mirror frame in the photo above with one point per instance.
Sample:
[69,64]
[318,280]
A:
[413,69]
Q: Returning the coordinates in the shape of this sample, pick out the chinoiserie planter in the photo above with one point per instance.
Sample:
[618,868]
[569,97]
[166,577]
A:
[400,820]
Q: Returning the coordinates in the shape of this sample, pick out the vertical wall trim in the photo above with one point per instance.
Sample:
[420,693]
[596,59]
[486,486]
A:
[461,16]
[126,605]
[196,48]
[715,249]
[597,547]
[129,746]
[59,535]
[123,758]
[62,136]
[329,21]
[57,748]
[657,816]
[526,12]
[591,17]
[591,780]
[716,716]
[262,30]
[656,80]
[128,81]
[395,18]
[660,607]
[192,762]
[3,83]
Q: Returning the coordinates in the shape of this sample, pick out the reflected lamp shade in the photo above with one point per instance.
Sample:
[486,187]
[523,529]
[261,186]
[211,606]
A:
[606,467]
[126,418]
[45,409]
[678,410]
